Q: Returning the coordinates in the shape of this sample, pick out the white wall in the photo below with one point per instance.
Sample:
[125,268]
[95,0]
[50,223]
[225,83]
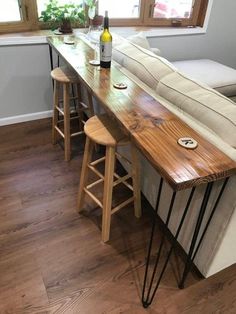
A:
[25,84]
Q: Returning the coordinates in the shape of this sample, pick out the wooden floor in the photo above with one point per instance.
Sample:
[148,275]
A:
[52,259]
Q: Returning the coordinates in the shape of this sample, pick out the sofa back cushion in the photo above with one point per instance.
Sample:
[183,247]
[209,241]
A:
[139,39]
[147,66]
[203,103]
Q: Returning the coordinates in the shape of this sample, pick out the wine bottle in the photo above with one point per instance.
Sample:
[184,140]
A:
[105,44]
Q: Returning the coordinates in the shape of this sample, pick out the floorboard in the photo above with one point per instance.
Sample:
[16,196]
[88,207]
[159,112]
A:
[52,259]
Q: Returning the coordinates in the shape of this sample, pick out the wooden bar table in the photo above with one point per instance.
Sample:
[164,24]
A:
[155,131]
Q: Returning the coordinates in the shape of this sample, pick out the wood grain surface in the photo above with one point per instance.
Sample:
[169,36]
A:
[52,259]
[210,295]
[153,128]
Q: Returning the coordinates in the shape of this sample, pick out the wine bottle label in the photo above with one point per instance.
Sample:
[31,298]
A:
[105,51]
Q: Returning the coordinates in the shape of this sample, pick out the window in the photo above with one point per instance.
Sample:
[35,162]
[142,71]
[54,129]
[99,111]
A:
[22,15]
[175,12]
[10,11]
[155,12]
[17,15]
[116,8]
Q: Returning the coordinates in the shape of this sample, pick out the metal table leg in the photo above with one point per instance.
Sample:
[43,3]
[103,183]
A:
[149,292]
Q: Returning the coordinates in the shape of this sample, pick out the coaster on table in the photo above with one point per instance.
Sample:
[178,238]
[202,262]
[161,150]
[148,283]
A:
[69,41]
[57,32]
[94,62]
[187,142]
[120,85]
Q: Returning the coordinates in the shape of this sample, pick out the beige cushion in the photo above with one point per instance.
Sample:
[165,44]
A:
[205,104]
[214,74]
[141,40]
[143,63]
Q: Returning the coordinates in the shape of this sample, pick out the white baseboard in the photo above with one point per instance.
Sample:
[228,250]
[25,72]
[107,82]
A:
[25,117]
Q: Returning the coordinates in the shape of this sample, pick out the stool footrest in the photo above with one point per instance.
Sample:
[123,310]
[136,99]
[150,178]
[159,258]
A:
[97,161]
[72,135]
[99,203]
[75,117]
[60,110]
[71,118]
[123,204]
[71,98]
[83,105]
[98,173]
[59,131]
[93,197]
[94,183]
[77,133]
[119,178]
[122,180]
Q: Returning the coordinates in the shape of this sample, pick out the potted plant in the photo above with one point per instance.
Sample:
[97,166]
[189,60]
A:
[63,15]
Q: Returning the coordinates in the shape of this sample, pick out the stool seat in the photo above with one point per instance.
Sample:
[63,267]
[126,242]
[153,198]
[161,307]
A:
[64,75]
[102,130]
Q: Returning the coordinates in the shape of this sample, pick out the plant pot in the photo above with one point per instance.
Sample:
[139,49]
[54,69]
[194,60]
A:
[65,27]
[97,20]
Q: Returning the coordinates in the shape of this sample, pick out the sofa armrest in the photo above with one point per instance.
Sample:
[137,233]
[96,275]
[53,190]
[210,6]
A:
[156,51]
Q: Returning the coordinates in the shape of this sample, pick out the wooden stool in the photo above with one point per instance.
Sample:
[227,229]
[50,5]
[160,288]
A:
[69,80]
[101,130]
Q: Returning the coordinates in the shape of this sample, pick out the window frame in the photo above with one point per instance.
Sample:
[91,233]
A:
[30,20]
[197,18]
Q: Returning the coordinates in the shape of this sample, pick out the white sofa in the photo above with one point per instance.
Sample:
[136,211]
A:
[213,116]
[216,75]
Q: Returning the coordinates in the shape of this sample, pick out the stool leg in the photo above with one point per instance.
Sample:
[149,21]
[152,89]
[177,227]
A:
[107,193]
[136,181]
[55,112]
[90,103]
[84,172]
[66,104]
[80,107]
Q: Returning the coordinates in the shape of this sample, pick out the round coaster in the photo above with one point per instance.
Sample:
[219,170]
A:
[94,62]
[57,32]
[120,86]
[69,42]
[187,142]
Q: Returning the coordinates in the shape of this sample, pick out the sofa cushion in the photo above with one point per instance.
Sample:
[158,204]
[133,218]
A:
[214,74]
[203,103]
[147,66]
[141,40]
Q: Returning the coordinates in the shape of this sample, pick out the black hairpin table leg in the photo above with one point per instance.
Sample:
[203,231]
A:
[51,62]
[192,254]
[149,292]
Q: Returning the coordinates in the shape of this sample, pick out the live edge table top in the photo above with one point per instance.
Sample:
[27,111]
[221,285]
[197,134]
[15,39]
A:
[148,124]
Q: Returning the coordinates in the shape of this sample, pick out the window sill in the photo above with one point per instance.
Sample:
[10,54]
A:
[25,38]
[159,31]
[39,37]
